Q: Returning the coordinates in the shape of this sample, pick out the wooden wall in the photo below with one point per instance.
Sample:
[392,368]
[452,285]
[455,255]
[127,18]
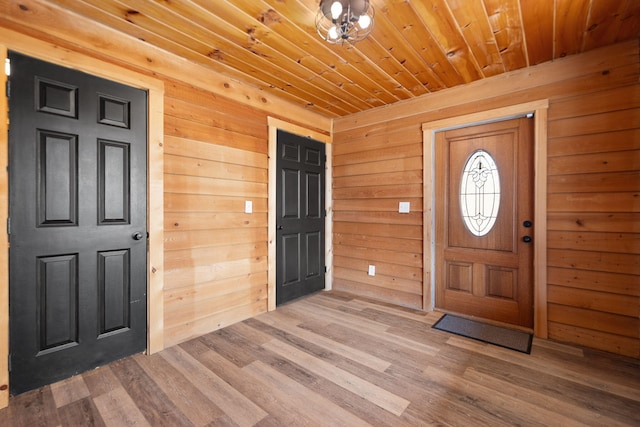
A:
[213,158]
[593,215]
[215,254]
[374,169]
[594,219]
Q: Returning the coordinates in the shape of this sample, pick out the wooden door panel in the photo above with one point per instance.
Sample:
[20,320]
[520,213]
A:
[459,276]
[486,275]
[500,146]
[502,282]
[495,257]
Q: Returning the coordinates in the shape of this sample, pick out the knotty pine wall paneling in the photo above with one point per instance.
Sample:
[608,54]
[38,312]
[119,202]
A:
[212,157]
[592,291]
[215,254]
[594,219]
[372,173]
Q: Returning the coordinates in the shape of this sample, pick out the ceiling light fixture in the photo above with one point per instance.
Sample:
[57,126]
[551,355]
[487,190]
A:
[344,21]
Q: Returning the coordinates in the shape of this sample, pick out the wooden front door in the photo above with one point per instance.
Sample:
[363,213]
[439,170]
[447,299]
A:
[484,263]
[78,203]
[300,217]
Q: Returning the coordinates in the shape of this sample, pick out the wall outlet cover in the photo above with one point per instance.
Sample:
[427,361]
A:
[372,270]
[405,207]
[248,207]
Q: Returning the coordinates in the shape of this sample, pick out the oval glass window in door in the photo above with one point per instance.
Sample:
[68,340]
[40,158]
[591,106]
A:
[480,193]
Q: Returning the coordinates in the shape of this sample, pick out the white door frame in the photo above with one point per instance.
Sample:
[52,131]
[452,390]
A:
[539,109]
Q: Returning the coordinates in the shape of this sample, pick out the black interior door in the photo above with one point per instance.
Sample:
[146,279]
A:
[300,217]
[78,203]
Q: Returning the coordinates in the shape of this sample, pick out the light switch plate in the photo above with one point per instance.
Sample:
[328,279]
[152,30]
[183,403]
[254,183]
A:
[405,207]
[248,206]
[372,270]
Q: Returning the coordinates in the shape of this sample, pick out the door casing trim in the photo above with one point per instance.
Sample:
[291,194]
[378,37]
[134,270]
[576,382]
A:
[539,108]
[10,40]
[275,124]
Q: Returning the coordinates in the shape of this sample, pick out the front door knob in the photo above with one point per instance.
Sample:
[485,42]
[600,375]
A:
[137,236]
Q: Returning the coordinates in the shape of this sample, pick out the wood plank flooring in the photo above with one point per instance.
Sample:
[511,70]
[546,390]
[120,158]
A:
[336,360]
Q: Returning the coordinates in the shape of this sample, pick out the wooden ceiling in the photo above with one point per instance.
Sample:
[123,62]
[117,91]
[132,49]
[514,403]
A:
[416,46]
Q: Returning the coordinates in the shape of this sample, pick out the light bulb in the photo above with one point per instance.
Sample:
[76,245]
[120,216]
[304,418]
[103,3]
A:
[364,21]
[336,10]
[333,33]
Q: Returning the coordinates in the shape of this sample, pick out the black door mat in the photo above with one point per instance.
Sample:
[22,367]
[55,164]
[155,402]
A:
[496,335]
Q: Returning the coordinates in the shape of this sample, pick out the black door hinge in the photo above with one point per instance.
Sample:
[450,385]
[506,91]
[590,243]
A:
[9,226]
[8,89]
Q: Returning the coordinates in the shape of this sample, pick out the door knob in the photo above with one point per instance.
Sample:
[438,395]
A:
[280,227]
[527,224]
[137,236]
[527,239]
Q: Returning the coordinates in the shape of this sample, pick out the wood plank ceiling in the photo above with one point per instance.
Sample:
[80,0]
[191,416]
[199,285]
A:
[416,46]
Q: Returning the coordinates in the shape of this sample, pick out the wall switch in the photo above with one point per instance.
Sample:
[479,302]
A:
[248,206]
[372,270]
[405,207]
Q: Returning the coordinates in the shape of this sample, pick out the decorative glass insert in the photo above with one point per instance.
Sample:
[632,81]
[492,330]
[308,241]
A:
[480,193]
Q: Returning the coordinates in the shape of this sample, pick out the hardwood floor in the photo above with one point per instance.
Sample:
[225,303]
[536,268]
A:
[335,360]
